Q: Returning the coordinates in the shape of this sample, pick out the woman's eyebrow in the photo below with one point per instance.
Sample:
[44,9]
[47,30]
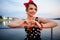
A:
[31,8]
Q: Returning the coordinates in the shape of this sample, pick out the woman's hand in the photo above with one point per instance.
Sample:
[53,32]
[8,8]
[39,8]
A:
[31,23]
[35,23]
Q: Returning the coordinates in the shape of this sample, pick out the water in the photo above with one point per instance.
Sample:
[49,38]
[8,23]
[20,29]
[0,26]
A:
[7,33]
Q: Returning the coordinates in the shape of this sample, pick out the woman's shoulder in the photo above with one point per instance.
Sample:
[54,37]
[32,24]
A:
[40,19]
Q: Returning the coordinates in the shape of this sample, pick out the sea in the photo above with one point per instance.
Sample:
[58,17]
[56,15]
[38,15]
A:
[7,33]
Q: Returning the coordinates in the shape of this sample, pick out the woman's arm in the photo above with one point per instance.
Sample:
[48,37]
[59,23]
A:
[15,23]
[47,23]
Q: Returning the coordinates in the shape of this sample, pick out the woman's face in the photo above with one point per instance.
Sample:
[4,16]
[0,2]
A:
[31,10]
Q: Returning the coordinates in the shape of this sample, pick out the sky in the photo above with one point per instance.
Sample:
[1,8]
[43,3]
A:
[15,8]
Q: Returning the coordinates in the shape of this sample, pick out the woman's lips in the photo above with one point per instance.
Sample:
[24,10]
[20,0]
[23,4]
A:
[32,13]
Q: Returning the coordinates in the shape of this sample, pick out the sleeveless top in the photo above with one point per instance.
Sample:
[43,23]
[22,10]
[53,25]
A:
[34,34]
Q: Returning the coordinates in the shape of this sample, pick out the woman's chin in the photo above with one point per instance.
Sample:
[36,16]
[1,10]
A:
[31,15]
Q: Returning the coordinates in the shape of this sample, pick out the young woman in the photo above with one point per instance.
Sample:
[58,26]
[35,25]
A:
[32,21]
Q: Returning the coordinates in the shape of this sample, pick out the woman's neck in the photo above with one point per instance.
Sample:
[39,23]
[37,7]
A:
[30,17]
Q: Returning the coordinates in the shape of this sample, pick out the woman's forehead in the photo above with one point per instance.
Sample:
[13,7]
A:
[32,6]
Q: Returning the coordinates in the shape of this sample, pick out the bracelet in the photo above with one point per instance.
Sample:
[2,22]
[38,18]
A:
[41,26]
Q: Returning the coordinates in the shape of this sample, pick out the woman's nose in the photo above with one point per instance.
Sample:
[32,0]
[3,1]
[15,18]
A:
[34,11]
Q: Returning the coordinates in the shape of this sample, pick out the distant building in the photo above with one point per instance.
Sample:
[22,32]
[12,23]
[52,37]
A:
[1,17]
[4,20]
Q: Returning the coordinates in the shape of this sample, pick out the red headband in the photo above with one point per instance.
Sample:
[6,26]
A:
[30,1]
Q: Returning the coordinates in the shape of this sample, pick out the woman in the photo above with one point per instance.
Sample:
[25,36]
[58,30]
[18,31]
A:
[32,21]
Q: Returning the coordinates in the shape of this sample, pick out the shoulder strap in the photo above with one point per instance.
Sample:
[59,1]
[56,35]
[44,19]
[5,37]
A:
[36,19]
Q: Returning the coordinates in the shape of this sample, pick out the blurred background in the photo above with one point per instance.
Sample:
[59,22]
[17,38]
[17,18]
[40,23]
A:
[9,9]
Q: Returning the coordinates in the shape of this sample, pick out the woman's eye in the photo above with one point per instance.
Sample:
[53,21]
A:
[32,9]
[36,9]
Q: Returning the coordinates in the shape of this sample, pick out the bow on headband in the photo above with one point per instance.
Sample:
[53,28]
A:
[30,1]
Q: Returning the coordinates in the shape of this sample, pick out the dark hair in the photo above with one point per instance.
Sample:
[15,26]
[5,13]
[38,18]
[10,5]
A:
[28,5]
